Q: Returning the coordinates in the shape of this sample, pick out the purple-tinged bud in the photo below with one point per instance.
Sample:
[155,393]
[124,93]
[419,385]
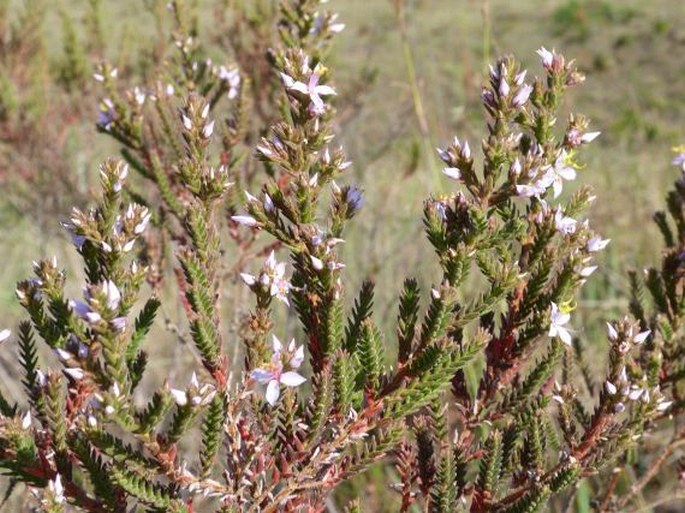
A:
[520,77]
[488,98]
[522,95]
[503,88]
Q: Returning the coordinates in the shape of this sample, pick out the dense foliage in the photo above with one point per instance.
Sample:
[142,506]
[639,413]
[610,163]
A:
[485,402]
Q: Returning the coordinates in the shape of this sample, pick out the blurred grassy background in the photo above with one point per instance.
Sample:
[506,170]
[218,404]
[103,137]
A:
[632,51]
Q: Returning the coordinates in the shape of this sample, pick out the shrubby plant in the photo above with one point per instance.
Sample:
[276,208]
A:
[484,405]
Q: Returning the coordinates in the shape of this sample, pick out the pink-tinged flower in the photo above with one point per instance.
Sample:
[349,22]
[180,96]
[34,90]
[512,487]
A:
[613,334]
[272,374]
[596,243]
[4,335]
[312,89]
[546,57]
[556,328]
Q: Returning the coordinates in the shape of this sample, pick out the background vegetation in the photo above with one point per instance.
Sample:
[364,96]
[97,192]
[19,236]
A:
[408,75]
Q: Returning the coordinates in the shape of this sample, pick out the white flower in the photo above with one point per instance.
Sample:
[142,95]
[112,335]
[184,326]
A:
[272,374]
[546,57]
[596,243]
[534,190]
[180,397]
[26,421]
[559,172]
[558,320]
[4,335]
[232,79]
[564,224]
[57,490]
[613,334]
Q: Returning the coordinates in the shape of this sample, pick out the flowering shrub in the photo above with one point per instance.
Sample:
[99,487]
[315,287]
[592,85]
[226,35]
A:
[481,408]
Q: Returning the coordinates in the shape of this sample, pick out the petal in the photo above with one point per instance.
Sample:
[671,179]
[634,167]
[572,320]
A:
[287,80]
[300,87]
[273,390]
[567,173]
[262,375]
[248,279]
[324,90]
[565,336]
[298,358]
[641,337]
[276,345]
[292,379]
[452,172]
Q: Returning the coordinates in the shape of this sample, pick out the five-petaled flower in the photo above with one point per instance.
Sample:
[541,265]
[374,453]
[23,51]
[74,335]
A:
[272,277]
[272,374]
[558,320]
[559,172]
[312,89]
